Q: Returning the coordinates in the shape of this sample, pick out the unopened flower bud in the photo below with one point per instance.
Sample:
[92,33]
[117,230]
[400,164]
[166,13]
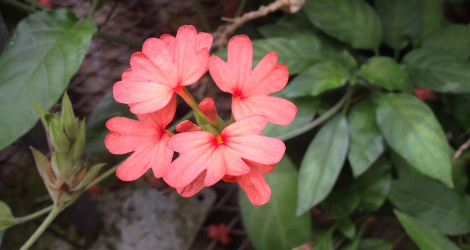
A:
[57,137]
[78,146]
[68,118]
[207,107]
[62,167]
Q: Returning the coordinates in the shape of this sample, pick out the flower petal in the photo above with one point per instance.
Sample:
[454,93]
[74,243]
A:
[235,166]
[160,72]
[257,148]
[122,144]
[187,126]
[161,118]
[185,48]
[249,125]
[185,142]
[135,166]
[265,79]
[239,59]
[194,187]
[256,188]
[204,41]
[162,157]
[194,67]
[221,74]
[169,40]
[159,54]
[262,168]
[276,110]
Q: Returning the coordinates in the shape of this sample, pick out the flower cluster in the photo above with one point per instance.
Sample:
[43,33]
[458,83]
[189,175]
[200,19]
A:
[214,149]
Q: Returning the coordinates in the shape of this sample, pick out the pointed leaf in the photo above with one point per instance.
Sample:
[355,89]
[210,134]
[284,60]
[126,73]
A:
[428,201]
[374,185]
[352,21]
[438,70]
[6,217]
[386,72]
[401,20]
[274,224]
[454,39]
[423,235]
[342,202]
[322,163]
[317,79]
[410,128]
[45,51]
[433,18]
[347,227]
[366,139]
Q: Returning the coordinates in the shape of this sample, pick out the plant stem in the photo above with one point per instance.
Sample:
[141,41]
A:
[55,211]
[29,217]
[20,5]
[119,39]
[103,176]
[94,6]
[35,3]
[320,119]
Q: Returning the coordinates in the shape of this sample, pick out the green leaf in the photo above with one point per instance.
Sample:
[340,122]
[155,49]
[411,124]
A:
[374,185]
[375,244]
[274,224]
[347,227]
[433,18]
[352,21]
[341,203]
[401,20]
[323,239]
[403,168]
[411,129]
[459,106]
[296,25]
[6,217]
[454,39]
[386,72]
[423,235]
[322,163]
[432,203]
[96,129]
[366,139]
[306,108]
[438,70]
[317,79]
[36,65]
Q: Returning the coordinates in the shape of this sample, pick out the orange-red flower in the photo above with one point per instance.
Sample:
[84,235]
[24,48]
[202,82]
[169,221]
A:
[163,67]
[221,154]
[147,137]
[219,232]
[250,89]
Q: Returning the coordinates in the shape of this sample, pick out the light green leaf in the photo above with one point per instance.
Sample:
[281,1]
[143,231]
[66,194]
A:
[317,79]
[386,72]
[375,244]
[45,51]
[423,235]
[454,39]
[432,203]
[352,21]
[96,129]
[274,224]
[401,20]
[410,128]
[6,217]
[404,169]
[366,139]
[438,70]
[373,186]
[322,163]
[306,108]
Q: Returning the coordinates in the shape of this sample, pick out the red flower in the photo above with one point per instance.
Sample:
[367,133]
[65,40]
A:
[255,186]
[219,232]
[250,88]
[424,94]
[163,68]
[147,137]
[221,154]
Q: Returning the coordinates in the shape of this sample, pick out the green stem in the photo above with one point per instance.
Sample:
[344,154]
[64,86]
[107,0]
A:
[94,6]
[20,5]
[118,39]
[103,176]
[35,3]
[55,211]
[320,119]
[29,217]
[201,14]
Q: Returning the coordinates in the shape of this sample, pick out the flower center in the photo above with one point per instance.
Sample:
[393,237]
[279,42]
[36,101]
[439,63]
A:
[219,139]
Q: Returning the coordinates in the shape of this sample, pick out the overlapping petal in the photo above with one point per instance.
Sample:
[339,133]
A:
[237,77]
[163,66]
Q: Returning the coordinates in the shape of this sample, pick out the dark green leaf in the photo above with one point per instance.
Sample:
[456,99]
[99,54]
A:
[347,227]
[433,18]
[352,21]
[404,169]
[322,163]
[305,112]
[45,51]
[96,129]
[323,239]
[432,203]
[410,128]
[317,79]
[460,108]
[423,235]
[438,70]
[366,139]
[274,224]
[454,39]
[401,20]
[341,203]
[375,244]
[386,72]
[296,25]
[374,185]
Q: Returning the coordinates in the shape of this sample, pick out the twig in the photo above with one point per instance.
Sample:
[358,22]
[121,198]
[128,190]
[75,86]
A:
[460,150]
[291,6]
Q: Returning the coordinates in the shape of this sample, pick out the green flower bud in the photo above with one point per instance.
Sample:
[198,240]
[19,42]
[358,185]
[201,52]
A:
[62,167]
[81,183]
[68,118]
[6,217]
[58,138]
[78,146]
